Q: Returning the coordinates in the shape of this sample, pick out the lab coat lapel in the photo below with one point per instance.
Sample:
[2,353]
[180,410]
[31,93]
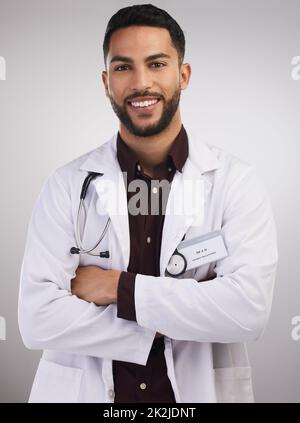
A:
[112,201]
[184,208]
[188,193]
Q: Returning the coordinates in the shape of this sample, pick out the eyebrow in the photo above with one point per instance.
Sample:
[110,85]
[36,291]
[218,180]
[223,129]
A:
[147,59]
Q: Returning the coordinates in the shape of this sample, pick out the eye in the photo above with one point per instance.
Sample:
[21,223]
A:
[120,68]
[159,65]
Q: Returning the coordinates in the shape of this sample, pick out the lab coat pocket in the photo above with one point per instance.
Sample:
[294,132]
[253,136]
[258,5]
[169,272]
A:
[233,384]
[56,383]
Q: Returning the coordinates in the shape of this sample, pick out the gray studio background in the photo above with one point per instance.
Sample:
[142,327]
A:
[242,97]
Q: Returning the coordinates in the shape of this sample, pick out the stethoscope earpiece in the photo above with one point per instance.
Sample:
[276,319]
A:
[102,254]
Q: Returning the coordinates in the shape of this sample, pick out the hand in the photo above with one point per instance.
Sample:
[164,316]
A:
[96,285]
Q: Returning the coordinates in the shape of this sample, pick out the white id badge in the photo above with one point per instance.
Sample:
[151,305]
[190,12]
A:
[203,249]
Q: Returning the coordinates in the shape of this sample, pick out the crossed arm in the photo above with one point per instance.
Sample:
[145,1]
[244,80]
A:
[96,285]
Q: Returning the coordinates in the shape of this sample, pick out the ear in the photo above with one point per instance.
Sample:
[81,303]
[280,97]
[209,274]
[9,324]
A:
[185,74]
[105,82]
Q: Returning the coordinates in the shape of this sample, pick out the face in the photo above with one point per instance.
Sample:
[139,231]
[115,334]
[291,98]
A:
[143,79]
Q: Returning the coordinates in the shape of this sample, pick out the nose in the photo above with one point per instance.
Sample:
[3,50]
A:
[141,80]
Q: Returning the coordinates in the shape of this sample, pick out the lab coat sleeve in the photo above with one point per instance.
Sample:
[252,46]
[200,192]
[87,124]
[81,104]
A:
[235,305]
[50,317]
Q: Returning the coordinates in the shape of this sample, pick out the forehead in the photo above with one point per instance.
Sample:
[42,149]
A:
[133,40]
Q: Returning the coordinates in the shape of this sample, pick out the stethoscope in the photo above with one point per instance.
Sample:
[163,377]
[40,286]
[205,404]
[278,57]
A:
[177,264]
[79,249]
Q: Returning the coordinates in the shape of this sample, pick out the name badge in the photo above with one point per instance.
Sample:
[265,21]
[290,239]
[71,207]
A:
[196,252]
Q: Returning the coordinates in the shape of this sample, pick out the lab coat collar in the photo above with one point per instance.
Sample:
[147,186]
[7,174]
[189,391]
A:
[102,158]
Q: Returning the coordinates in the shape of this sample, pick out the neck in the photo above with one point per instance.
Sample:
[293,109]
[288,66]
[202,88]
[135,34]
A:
[154,149]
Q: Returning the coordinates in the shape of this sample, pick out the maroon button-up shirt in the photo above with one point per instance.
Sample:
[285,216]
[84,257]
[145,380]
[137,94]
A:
[133,382]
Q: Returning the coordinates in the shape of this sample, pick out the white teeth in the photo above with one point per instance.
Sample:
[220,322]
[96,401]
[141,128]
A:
[144,103]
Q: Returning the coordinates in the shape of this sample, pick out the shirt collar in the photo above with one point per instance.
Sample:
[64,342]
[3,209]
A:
[128,159]
[180,149]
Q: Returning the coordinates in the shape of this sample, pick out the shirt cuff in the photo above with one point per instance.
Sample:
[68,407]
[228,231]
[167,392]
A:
[125,299]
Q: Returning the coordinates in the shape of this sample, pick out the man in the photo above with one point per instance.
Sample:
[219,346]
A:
[131,325]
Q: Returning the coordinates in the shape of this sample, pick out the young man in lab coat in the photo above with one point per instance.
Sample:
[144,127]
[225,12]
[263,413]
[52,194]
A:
[124,328]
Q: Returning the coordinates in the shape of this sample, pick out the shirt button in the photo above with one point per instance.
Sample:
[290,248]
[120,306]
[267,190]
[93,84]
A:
[154,190]
[148,239]
[170,169]
[143,386]
[111,393]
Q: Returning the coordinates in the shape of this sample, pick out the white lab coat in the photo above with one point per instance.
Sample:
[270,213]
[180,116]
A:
[206,315]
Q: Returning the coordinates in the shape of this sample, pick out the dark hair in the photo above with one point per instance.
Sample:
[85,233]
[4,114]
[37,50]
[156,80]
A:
[145,15]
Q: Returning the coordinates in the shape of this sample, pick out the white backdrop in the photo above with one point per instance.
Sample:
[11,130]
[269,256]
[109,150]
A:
[244,96]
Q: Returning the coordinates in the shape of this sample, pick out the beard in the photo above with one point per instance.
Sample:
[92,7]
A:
[167,115]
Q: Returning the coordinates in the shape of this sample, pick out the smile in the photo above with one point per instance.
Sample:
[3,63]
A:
[144,103]
[145,106]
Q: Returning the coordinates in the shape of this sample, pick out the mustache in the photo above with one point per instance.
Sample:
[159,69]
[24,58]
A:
[144,94]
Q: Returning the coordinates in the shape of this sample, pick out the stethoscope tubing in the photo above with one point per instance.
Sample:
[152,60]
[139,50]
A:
[78,237]
[79,249]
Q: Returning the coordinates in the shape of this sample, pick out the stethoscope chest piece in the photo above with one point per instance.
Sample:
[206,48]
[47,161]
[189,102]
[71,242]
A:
[177,264]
